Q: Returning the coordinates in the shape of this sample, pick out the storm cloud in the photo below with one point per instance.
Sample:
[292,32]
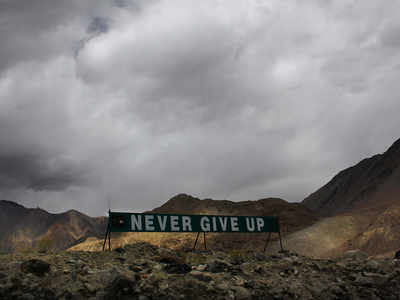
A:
[131,102]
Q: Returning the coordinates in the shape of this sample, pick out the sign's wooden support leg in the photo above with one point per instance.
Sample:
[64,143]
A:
[105,238]
[267,241]
[205,244]
[280,240]
[108,232]
[109,241]
[195,242]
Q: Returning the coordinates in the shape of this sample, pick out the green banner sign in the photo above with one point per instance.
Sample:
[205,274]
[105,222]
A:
[134,222]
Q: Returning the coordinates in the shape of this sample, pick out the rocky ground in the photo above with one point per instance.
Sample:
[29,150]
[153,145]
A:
[142,271]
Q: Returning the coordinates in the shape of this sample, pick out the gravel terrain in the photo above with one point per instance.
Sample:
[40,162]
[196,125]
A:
[143,271]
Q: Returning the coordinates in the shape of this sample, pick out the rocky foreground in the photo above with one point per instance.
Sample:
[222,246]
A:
[142,271]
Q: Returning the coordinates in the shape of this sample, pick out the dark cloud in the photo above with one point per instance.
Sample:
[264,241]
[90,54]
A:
[29,172]
[98,25]
[135,101]
[30,31]
[40,30]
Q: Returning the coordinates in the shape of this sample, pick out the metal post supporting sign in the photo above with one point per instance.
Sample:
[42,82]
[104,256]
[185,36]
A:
[108,233]
[204,239]
[269,239]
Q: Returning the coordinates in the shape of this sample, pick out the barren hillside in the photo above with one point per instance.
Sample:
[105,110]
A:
[22,227]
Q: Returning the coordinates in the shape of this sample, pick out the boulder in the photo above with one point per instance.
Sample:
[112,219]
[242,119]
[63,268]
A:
[355,255]
[217,266]
[168,257]
[177,268]
[119,288]
[35,266]
[2,276]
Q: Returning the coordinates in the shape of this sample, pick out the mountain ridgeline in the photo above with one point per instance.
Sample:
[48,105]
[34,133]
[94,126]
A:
[360,207]
[372,183]
[22,227]
[292,215]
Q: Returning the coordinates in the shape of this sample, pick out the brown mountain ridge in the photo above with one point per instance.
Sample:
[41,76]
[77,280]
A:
[372,183]
[25,227]
[361,210]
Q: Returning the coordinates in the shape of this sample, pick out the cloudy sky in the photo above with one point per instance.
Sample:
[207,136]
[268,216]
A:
[133,101]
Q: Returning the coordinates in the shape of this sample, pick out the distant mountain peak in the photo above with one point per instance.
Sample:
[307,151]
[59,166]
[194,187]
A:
[372,181]
[183,197]
[11,203]
[30,225]
[73,211]
[395,148]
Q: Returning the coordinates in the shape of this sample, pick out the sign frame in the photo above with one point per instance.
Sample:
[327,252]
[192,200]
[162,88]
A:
[188,223]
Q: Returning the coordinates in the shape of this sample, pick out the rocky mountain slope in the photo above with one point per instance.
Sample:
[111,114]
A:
[143,271]
[293,217]
[373,183]
[361,206]
[22,227]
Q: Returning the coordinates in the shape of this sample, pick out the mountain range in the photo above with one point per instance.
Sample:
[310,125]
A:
[22,227]
[359,208]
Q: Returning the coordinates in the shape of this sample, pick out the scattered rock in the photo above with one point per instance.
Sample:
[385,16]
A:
[260,256]
[201,268]
[241,293]
[121,259]
[217,266]
[135,268]
[91,288]
[378,279]
[121,286]
[119,250]
[2,276]
[248,268]
[202,276]
[152,273]
[365,281]
[168,257]
[355,255]
[35,266]
[177,268]
[372,265]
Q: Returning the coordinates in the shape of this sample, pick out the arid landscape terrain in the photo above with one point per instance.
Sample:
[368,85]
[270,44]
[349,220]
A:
[358,209]
[22,227]
[144,271]
[187,149]
[339,242]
